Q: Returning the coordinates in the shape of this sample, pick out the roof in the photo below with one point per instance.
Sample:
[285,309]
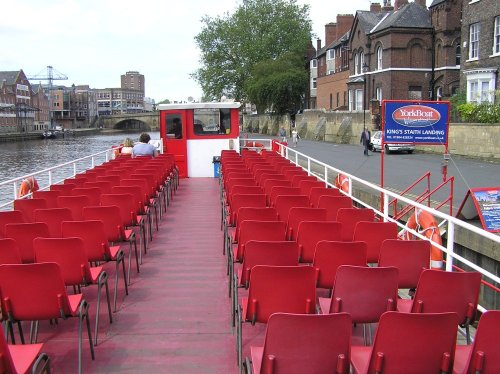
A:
[367,20]
[412,15]
[10,77]
[217,105]
[436,2]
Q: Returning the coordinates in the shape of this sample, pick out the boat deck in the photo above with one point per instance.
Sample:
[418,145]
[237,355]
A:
[176,317]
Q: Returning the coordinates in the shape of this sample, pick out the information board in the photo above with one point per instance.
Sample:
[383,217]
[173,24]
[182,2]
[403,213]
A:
[483,203]
[418,122]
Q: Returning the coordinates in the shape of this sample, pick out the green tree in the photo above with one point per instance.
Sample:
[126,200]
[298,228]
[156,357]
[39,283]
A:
[259,30]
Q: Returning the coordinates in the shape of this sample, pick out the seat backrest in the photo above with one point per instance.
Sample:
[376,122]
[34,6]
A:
[443,291]
[270,183]
[9,216]
[291,174]
[94,235]
[69,254]
[282,190]
[110,216]
[374,234]
[53,217]
[349,217]
[114,179]
[411,257]
[316,192]
[259,230]
[364,292]
[127,205]
[34,291]
[75,203]
[485,357]
[276,253]
[329,255]
[104,186]
[306,186]
[283,204]
[242,190]
[23,234]
[245,200]
[28,206]
[249,181]
[310,233]
[50,197]
[262,178]
[135,191]
[333,204]
[296,215]
[247,213]
[297,179]
[64,189]
[306,343]
[9,252]
[410,343]
[93,193]
[293,291]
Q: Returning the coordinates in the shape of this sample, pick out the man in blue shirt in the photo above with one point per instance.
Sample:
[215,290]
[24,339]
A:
[143,148]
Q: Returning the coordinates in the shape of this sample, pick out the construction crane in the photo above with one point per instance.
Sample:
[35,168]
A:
[49,75]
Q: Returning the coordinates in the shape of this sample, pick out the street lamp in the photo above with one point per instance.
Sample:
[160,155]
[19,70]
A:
[364,69]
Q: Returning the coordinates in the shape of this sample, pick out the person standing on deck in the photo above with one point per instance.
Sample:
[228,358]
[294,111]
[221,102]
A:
[143,148]
[29,185]
[365,140]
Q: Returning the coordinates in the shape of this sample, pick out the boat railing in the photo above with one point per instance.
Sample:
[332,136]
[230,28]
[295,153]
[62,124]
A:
[52,175]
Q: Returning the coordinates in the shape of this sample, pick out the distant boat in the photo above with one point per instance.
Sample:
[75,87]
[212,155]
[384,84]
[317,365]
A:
[52,134]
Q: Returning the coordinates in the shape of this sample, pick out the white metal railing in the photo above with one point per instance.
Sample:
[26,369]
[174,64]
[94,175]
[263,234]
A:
[329,173]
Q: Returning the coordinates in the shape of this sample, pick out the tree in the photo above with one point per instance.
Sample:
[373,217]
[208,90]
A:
[259,30]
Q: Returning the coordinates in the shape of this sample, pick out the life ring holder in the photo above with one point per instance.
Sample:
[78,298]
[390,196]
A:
[424,223]
[342,183]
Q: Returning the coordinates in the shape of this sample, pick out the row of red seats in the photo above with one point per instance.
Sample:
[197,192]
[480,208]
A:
[50,241]
[366,293]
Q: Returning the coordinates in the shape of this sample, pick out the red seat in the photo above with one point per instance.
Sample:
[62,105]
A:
[93,193]
[301,343]
[349,217]
[283,203]
[28,206]
[64,189]
[310,233]
[297,179]
[293,291]
[282,190]
[32,292]
[9,216]
[23,358]
[9,252]
[23,234]
[75,204]
[330,255]
[243,200]
[50,197]
[307,185]
[409,343]
[374,234]
[270,183]
[53,217]
[442,291]
[316,192]
[296,215]
[333,204]
[483,356]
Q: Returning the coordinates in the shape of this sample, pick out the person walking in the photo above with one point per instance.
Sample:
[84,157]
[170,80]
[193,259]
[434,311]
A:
[282,134]
[295,137]
[365,140]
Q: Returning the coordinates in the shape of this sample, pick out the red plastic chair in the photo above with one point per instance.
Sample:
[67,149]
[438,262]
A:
[293,291]
[442,291]
[282,190]
[9,216]
[50,197]
[70,255]
[23,234]
[32,292]
[243,200]
[301,343]
[270,183]
[296,215]
[483,356]
[411,257]
[9,252]
[297,179]
[26,358]
[53,217]
[316,192]
[97,247]
[104,186]
[75,203]
[262,178]
[284,203]
[93,193]
[349,217]
[330,255]
[306,185]
[333,204]
[64,189]
[310,233]
[410,344]
[28,206]
[374,234]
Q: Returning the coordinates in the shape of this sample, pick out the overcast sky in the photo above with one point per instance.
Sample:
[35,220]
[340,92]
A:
[95,41]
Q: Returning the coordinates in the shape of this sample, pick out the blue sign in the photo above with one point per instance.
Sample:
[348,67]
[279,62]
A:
[419,122]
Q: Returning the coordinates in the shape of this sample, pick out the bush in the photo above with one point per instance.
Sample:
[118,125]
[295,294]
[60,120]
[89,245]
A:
[480,113]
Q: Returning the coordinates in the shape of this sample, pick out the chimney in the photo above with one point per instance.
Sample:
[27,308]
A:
[344,23]
[421,3]
[318,45]
[330,33]
[398,4]
[376,7]
[387,6]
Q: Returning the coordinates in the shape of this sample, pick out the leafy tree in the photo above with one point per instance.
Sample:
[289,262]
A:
[259,30]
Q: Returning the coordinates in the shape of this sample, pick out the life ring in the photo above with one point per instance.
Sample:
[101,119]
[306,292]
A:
[424,223]
[29,185]
[342,183]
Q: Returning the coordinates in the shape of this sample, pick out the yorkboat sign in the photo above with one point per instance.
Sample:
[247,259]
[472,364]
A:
[422,122]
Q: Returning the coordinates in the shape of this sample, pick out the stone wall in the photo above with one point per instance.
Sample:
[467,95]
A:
[471,140]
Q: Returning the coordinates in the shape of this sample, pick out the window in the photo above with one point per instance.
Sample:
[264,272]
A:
[174,126]
[350,101]
[480,86]
[474,41]
[313,83]
[415,93]
[361,61]
[359,100]
[356,64]
[378,94]
[212,121]
[314,63]
[496,36]
[458,55]
[330,55]
[379,58]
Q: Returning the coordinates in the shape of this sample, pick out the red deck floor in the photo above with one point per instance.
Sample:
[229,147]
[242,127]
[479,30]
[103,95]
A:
[176,317]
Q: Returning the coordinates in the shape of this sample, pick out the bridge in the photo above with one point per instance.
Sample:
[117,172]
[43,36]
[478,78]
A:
[134,121]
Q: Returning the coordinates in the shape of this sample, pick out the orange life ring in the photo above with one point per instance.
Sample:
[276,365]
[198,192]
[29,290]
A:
[29,185]
[424,223]
[342,183]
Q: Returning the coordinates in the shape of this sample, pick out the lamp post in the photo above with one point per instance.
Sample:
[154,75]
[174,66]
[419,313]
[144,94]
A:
[364,69]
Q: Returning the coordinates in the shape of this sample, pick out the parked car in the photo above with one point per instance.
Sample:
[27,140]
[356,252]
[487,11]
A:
[376,145]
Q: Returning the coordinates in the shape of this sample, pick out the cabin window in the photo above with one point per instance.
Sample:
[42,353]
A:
[211,121]
[174,126]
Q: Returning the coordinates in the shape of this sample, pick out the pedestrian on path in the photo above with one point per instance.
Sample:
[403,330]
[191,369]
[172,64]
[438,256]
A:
[295,137]
[282,134]
[365,140]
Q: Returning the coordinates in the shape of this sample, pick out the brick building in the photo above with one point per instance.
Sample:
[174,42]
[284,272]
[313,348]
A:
[481,50]
[74,107]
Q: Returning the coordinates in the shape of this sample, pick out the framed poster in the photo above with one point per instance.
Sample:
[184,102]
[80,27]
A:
[483,203]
